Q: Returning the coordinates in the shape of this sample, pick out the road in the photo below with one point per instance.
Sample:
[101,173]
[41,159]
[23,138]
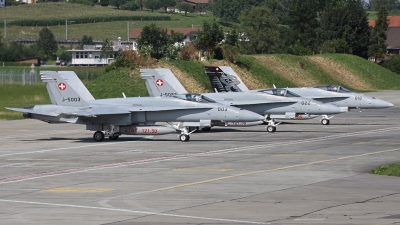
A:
[305,173]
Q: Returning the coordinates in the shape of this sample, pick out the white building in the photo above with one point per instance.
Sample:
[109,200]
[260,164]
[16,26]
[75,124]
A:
[2,3]
[90,55]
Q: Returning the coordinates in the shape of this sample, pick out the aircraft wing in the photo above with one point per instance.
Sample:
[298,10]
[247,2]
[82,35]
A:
[161,108]
[77,113]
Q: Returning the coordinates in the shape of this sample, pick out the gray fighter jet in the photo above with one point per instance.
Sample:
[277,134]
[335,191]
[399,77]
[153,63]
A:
[334,94]
[162,82]
[132,116]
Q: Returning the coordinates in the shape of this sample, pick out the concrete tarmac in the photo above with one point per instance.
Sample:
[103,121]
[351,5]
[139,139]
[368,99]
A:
[305,173]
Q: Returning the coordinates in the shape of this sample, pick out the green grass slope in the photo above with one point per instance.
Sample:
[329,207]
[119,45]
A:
[194,69]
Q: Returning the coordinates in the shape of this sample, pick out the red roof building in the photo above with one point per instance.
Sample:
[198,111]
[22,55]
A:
[392,33]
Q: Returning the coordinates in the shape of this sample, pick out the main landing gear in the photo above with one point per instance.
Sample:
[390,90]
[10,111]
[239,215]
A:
[184,136]
[325,120]
[109,132]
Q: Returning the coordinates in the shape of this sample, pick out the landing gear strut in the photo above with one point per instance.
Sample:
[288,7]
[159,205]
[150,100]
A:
[271,128]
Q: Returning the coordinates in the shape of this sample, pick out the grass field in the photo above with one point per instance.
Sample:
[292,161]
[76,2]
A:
[389,170]
[98,30]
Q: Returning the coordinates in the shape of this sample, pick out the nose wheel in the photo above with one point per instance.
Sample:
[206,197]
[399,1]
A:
[325,122]
[184,137]
[271,129]
[98,136]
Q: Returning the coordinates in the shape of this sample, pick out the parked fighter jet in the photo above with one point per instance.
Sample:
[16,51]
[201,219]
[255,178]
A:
[162,82]
[116,116]
[334,94]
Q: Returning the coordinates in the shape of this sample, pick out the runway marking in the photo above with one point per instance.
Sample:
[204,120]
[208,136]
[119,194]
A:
[80,190]
[132,211]
[40,134]
[272,170]
[12,130]
[28,159]
[299,155]
[377,143]
[169,158]
[204,169]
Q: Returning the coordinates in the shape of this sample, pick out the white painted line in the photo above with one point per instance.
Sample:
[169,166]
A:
[132,211]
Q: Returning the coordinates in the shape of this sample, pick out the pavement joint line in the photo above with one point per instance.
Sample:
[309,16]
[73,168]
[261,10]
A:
[40,134]
[175,157]
[132,211]
[276,169]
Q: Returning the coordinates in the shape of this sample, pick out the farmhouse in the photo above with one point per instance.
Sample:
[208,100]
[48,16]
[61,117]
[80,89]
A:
[90,55]
[393,35]
[189,34]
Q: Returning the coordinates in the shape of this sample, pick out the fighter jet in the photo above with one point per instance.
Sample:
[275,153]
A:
[162,82]
[334,94]
[115,116]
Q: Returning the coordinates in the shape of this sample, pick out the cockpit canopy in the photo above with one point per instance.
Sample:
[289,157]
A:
[280,92]
[194,98]
[334,88]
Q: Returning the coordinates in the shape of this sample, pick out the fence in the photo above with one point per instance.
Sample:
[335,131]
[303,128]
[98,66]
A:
[32,76]
[20,77]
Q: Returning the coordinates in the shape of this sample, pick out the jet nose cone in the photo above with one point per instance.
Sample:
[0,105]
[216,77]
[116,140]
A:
[391,105]
[248,116]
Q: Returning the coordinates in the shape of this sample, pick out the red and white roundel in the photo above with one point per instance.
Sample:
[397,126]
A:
[62,86]
[159,82]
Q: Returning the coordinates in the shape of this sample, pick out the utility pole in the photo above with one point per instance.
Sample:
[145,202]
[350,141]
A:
[5,27]
[66,28]
[129,23]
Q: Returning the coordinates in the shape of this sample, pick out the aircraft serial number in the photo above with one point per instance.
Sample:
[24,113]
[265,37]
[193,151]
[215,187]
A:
[358,98]
[222,109]
[167,94]
[78,99]
[305,103]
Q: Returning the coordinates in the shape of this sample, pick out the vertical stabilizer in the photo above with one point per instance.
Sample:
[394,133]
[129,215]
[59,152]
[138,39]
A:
[220,81]
[61,93]
[234,77]
[161,82]
[73,80]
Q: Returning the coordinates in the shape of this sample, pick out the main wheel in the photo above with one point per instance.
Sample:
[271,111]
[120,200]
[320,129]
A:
[98,136]
[325,122]
[271,129]
[184,137]
[206,128]
[113,138]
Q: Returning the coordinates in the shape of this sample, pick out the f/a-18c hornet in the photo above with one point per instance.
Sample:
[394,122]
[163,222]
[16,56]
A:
[137,115]
[334,94]
[162,82]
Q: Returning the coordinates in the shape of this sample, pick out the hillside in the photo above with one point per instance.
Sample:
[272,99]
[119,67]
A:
[263,71]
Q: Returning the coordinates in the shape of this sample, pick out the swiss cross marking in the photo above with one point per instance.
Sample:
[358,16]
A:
[62,86]
[159,82]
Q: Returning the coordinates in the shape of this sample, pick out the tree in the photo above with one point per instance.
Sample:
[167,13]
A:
[117,3]
[104,2]
[86,40]
[209,37]
[140,3]
[378,46]
[152,4]
[107,50]
[186,7]
[152,39]
[131,5]
[260,29]
[347,21]
[46,42]
[303,23]
[167,3]
[229,10]
[390,5]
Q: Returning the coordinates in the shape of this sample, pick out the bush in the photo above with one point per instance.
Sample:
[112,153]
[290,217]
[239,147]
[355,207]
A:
[133,6]
[335,46]
[392,64]
[298,49]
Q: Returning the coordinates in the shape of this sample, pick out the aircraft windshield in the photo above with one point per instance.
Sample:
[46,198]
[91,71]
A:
[280,92]
[194,98]
[334,88]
